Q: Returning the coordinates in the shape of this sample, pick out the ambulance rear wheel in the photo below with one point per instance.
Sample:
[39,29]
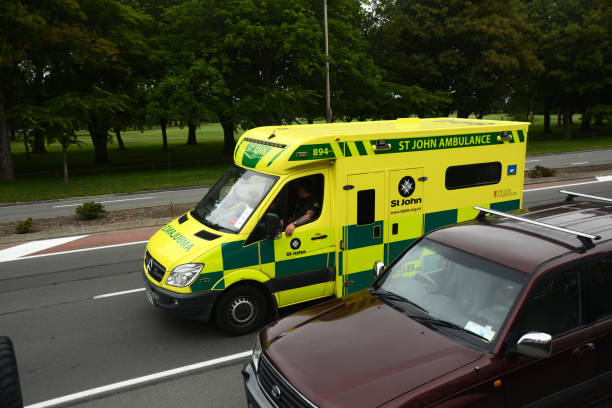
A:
[10,390]
[241,310]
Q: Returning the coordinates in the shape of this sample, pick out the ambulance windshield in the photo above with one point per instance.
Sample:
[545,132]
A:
[228,205]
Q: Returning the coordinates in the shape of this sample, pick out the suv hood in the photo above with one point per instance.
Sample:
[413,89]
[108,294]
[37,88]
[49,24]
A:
[357,351]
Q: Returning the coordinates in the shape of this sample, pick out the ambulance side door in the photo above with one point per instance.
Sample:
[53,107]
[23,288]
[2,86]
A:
[302,265]
[363,229]
[406,196]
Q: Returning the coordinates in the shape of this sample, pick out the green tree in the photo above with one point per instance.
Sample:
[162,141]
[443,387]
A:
[574,44]
[472,51]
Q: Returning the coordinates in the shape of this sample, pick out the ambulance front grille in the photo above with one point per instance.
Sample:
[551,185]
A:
[154,268]
[278,390]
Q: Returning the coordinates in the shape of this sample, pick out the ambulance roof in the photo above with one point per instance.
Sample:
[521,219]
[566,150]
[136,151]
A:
[270,145]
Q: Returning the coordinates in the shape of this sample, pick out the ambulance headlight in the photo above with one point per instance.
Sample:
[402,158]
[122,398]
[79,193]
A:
[256,353]
[183,275]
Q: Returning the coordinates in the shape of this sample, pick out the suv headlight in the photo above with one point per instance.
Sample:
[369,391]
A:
[256,353]
[183,275]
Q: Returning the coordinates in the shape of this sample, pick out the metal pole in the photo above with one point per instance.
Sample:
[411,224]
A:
[328,111]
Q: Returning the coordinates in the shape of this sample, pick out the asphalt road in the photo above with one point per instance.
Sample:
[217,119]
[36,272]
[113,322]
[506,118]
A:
[67,341]
[58,208]
[190,195]
[556,161]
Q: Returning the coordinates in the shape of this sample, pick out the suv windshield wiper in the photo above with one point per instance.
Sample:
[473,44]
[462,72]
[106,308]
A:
[384,294]
[445,323]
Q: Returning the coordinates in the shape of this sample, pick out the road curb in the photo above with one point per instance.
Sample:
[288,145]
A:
[22,238]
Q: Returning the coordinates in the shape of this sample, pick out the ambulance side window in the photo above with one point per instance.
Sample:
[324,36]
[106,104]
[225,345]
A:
[365,206]
[472,175]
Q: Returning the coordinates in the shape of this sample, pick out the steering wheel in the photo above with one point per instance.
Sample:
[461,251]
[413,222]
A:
[430,284]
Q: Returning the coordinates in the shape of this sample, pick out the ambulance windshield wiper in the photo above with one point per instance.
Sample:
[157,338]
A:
[429,321]
[385,294]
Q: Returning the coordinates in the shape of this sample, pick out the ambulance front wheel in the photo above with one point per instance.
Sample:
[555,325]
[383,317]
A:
[241,310]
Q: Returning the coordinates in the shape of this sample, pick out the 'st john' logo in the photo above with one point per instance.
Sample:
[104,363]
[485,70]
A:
[406,186]
[295,243]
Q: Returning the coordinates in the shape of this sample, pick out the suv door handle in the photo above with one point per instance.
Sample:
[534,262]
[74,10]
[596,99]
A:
[580,350]
[318,236]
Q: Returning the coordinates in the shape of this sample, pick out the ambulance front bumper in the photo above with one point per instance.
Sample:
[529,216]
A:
[194,306]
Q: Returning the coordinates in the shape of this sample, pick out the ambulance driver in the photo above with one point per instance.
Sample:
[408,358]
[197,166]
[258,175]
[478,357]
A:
[306,208]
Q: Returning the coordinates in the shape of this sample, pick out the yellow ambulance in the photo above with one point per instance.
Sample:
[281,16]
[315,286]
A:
[306,211]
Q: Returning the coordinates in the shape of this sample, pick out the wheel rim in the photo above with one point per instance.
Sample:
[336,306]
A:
[242,311]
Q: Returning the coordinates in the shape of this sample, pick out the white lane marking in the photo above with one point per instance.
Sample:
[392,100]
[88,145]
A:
[18,251]
[531,161]
[123,292]
[604,178]
[575,164]
[104,202]
[93,392]
[78,250]
[563,185]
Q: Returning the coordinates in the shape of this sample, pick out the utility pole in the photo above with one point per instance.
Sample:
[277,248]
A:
[328,111]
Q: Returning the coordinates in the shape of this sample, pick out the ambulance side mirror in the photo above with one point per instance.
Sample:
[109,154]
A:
[378,268]
[272,225]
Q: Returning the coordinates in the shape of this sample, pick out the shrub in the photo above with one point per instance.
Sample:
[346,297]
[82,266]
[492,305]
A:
[89,210]
[540,171]
[24,226]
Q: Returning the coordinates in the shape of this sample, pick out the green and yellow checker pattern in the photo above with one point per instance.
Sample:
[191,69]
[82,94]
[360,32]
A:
[366,249]
[264,261]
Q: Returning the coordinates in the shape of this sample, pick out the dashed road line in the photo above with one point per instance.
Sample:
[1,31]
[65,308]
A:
[123,292]
[131,383]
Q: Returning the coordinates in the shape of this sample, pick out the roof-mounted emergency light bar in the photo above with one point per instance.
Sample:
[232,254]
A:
[586,239]
[571,195]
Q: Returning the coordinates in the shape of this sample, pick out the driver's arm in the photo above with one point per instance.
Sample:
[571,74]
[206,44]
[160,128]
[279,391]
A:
[300,221]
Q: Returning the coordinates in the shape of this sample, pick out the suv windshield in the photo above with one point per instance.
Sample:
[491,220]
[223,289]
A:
[444,287]
[228,205]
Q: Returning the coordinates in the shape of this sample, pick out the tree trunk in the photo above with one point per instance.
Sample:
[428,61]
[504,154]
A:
[13,134]
[191,134]
[26,143]
[39,143]
[310,121]
[559,119]
[463,114]
[547,130]
[99,138]
[162,124]
[119,139]
[585,123]
[65,151]
[567,116]
[7,173]
[229,143]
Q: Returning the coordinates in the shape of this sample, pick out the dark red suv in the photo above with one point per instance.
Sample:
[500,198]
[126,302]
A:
[506,310]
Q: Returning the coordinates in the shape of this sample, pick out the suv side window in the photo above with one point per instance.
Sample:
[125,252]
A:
[554,305]
[600,299]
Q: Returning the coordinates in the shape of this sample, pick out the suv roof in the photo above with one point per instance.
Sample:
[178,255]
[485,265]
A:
[525,246]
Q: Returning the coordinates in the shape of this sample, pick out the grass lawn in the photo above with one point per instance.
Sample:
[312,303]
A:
[144,166]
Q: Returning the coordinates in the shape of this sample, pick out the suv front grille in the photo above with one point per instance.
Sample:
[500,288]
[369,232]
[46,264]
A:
[277,389]
[154,268]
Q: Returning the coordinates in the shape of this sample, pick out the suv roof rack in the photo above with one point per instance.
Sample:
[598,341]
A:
[586,239]
[571,195]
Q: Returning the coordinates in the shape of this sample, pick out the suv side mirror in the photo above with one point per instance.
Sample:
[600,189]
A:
[272,225]
[535,344]
[378,268]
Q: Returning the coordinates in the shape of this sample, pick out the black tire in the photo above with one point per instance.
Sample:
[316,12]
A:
[241,310]
[10,390]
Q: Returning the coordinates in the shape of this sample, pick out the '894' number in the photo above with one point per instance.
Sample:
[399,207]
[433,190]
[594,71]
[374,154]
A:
[320,151]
